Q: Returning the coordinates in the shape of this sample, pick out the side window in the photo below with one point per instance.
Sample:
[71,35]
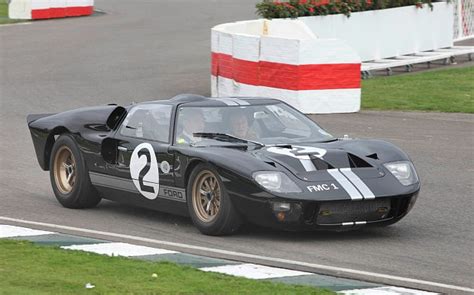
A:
[148,122]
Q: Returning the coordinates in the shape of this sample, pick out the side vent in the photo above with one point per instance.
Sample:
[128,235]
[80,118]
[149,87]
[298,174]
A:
[115,117]
[109,150]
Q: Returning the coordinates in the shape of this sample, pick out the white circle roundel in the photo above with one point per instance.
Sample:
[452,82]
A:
[144,171]
[165,167]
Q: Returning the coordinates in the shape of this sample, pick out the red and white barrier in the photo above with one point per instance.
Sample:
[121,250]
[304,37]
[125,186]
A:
[283,59]
[44,9]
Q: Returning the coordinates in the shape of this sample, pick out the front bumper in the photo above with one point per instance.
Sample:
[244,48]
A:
[326,215]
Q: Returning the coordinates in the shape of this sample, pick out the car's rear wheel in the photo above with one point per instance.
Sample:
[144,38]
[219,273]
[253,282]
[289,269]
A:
[209,205]
[69,176]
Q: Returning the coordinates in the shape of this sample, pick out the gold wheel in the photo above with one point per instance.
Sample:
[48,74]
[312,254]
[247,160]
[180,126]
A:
[64,169]
[206,196]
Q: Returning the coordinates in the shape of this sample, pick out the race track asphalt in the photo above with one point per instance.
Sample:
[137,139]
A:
[141,50]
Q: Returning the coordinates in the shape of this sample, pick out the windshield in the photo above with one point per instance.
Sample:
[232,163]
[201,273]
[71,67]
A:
[266,124]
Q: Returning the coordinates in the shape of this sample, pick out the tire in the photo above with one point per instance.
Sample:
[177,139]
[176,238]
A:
[69,175]
[212,213]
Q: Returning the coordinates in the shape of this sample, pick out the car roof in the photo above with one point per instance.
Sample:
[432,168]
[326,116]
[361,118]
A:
[195,100]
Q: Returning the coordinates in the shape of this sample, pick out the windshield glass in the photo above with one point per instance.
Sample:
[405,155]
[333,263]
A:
[267,124]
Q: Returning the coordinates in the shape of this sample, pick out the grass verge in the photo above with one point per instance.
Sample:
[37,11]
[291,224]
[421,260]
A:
[26,268]
[4,14]
[445,90]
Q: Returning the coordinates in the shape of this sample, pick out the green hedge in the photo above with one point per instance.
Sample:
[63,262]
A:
[295,8]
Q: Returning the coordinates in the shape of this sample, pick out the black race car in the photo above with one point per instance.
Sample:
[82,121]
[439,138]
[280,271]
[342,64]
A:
[224,162]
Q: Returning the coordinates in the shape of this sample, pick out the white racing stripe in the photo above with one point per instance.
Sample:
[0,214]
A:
[346,184]
[232,101]
[240,101]
[358,183]
[227,101]
[307,163]
[239,256]
[119,249]
[255,271]
[10,231]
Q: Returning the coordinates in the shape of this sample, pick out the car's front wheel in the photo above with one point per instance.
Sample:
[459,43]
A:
[209,205]
[69,176]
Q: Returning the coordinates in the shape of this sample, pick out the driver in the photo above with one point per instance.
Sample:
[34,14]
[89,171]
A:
[192,122]
[240,126]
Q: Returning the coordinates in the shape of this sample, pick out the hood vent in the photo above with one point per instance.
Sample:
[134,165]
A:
[310,163]
[373,156]
[339,160]
[270,163]
[356,162]
[321,164]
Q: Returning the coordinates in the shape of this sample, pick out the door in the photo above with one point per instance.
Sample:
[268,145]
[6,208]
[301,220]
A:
[143,167]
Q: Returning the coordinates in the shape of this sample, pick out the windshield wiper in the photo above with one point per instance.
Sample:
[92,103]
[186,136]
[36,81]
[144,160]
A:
[226,137]
[328,140]
[321,141]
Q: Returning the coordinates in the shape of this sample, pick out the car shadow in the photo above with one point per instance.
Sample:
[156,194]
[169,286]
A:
[368,233]
[248,231]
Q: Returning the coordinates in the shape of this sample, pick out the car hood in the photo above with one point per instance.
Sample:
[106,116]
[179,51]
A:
[322,170]
[311,161]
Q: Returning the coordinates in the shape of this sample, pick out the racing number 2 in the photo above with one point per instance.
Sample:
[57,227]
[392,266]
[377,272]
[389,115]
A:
[144,171]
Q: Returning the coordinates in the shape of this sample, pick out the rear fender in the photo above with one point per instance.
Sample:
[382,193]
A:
[43,141]
[87,123]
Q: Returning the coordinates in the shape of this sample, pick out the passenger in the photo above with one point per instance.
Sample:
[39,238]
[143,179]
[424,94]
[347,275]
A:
[192,122]
[240,126]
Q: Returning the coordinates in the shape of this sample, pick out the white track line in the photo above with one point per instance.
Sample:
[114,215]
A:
[16,24]
[270,260]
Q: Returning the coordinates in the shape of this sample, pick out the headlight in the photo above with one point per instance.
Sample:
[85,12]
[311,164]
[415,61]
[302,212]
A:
[403,171]
[276,182]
